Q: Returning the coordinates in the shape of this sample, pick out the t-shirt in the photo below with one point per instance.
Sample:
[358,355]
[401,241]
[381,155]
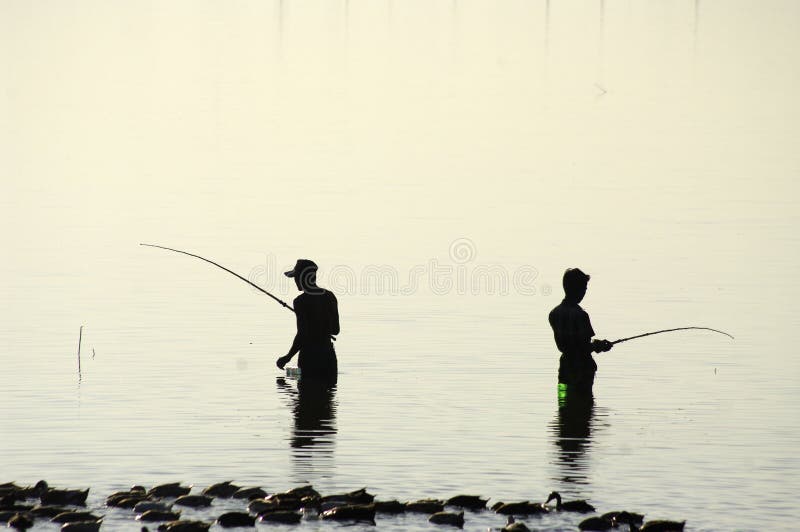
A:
[317,317]
[572,329]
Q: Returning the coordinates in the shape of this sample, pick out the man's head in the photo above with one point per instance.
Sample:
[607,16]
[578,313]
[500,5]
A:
[304,274]
[575,283]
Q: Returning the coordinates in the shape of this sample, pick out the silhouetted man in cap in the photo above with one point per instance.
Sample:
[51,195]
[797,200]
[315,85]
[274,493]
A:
[317,321]
[573,333]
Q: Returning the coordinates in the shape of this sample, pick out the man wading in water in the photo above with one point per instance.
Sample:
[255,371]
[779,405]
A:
[317,320]
[573,333]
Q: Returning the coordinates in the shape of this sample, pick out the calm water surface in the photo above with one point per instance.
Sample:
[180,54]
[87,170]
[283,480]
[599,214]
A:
[443,162]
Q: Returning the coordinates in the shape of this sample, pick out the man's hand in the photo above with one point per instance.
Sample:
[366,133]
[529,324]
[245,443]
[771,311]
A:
[282,361]
[601,346]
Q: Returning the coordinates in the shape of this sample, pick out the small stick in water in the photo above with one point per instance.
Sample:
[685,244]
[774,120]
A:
[80,337]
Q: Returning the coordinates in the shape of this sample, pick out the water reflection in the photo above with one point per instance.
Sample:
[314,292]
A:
[312,442]
[571,431]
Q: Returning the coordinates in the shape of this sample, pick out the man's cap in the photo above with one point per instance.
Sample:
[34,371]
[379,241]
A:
[302,267]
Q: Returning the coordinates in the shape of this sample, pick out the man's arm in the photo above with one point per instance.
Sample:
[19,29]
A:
[282,361]
[334,315]
[573,332]
[298,338]
[596,346]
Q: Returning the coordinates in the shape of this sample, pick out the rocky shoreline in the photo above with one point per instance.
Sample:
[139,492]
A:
[161,507]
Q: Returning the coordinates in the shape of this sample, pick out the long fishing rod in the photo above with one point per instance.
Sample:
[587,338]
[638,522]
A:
[224,268]
[669,330]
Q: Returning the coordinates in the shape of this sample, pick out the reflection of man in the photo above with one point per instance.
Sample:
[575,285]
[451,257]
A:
[572,431]
[573,334]
[317,320]
[314,413]
[313,439]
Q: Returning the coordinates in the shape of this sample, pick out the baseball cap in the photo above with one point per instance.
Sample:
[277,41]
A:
[302,266]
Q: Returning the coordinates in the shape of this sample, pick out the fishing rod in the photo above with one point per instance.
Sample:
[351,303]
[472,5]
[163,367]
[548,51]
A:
[224,268]
[669,330]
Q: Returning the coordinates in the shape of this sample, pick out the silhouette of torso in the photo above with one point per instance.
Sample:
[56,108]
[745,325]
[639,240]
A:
[317,319]
[573,334]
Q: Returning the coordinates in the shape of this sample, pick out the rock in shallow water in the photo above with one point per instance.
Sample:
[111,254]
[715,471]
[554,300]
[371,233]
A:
[123,498]
[514,526]
[71,517]
[280,516]
[144,506]
[235,519]
[81,526]
[173,489]
[223,490]
[64,497]
[662,525]
[426,506]
[47,511]
[159,515]
[519,508]
[250,493]
[20,521]
[184,526]
[359,496]
[471,502]
[448,518]
[389,507]
[596,524]
[350,512]
[194,501]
